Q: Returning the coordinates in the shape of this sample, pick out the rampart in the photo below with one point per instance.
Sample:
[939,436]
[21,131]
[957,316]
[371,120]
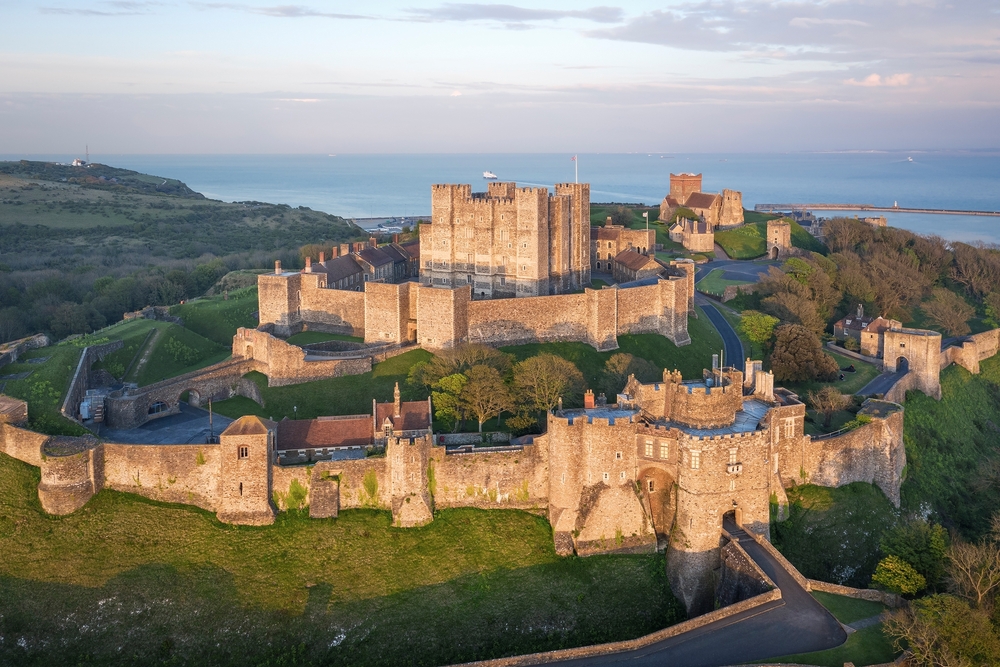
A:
[81,377]
[11,351]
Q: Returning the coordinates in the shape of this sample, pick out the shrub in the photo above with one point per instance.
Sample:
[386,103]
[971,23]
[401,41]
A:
[897,576]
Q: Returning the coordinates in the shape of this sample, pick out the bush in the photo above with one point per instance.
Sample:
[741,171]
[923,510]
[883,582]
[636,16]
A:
[897,576]
[798,356]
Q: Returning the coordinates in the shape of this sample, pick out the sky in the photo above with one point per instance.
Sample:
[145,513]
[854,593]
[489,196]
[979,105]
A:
[128,76]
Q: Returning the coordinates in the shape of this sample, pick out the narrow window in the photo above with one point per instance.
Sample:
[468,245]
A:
[649,449]
[241,488]
[618,456]
[621,475]
[695,460]
[607,476]
[664,450]
[732,456]
[244,452]
[790,427]
[650,485]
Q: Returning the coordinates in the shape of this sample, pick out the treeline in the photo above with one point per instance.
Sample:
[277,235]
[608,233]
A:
[478,382]
[890,272]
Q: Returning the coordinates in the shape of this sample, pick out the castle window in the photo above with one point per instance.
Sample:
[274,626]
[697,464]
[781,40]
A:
[607,476]
[695,460]
[649,485]
[664,450]
[241,488]
[598,266]
[244,452]
[468,279]
[609,244]
[618,456]
[649,449]
[790,427]
[732,456]
[621,475]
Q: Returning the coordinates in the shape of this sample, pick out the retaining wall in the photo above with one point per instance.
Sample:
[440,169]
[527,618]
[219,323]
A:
[81,378]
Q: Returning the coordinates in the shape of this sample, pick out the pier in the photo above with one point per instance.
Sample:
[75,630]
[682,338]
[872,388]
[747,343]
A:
[771,208]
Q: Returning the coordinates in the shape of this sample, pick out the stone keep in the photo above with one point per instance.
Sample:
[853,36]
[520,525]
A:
[779,239]
[508,241]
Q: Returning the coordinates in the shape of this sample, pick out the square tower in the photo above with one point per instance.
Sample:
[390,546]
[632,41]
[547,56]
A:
[247,448]
[683,186]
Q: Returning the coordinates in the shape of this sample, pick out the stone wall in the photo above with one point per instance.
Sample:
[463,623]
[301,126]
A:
[333,310]
[920,351]
[529,320]
[516,479]
[11,351]
[660,308]
[22,444]
[81,377]
[286,364]
[187,474]
[739,577]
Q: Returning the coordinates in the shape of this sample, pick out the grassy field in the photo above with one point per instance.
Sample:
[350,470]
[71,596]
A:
[136,337]
[848,610]
[953,449]
[217,319]
[748,242]
[179,350]
[45,388]
[177,587]
[865,647]
[715,284]
[833,534]
[307,337]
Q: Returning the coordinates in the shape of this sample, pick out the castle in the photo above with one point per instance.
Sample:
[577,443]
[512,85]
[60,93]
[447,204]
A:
[717,211]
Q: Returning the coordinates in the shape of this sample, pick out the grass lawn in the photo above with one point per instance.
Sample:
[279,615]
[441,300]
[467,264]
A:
[754,216]
[179,350]
[135,336]
[45,388]
[865,647]
[307,337]
[853,382]
[180,588]
[690,359]
[833,534]
[348,395]
[952,447]
[217,319]
[848,610]
[597,283]
[715,284]
[748,241]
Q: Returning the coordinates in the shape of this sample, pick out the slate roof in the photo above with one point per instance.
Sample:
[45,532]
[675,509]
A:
[630,259]
[701,200]
[413,415]
[412,249]
[855,323]
[249,425]
[345,431]
[375,256]
[396,252]
[339,268]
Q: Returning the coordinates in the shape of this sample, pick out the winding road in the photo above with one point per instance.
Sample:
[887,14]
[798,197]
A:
[796,623]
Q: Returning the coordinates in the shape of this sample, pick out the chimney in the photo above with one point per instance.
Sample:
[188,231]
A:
[309,264]
[861,310]
[373,242]
[608,222]
[395,402]
[277,266]
[588,399]
[322,257]
[345,248]
[395,238]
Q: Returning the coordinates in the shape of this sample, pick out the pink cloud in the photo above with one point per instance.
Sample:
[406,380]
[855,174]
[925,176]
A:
[876,80]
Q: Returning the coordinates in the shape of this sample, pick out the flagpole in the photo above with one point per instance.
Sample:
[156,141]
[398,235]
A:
[576,168]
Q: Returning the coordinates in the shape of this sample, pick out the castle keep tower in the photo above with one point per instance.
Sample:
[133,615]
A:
[508,241]
[247,448]
[683,186]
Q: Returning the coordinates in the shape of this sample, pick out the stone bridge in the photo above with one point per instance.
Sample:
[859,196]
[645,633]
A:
[131,408]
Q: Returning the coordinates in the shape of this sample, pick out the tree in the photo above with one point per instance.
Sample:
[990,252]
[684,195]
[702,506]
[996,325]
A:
[974,571]
[448,406]
[758,327]
[897,576]
[622,364]
[542,380]
[943,631]
[621,215]
[827,401]
[992,303]
[922,544]
[798,356]
[485,394]
[459,360]
[949,311]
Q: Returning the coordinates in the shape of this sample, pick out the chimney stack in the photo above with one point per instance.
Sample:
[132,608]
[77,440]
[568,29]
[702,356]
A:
[277,266]
[322,257]
[588,399]
[395,238]
[309,265]
[396,408]
[373,242]
[345,248]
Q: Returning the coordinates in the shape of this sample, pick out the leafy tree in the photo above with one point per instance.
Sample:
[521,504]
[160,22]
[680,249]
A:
[922,544]
[897,576]
[459,360]
[943,631]
[758,327]
[621,215]
[448,407]
[827,401]
[852,344]
[485,395]
[798,356]
[542,380]
[620,365]
[949,311]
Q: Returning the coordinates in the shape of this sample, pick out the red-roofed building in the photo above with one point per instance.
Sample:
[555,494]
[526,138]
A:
[629,265]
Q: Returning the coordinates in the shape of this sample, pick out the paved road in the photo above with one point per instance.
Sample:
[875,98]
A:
[795,624]
[881,383]
[731,342]
[189,426]
[749,269]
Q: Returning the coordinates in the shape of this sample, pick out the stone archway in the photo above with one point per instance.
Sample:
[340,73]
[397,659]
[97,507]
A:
[658,491]
[902,365]
[774,252]
[193,397]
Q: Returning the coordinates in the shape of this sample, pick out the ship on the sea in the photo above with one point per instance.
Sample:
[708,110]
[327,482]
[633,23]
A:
[489,176]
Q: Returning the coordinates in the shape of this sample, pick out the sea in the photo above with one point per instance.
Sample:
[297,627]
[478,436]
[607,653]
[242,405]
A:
[397,186]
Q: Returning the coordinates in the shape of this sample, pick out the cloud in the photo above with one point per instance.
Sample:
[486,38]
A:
[875,80]
[456,93]
[513,16]
[116,8]
[279,11]
[804,22]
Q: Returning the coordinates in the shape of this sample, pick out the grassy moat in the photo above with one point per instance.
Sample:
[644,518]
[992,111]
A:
[127,581]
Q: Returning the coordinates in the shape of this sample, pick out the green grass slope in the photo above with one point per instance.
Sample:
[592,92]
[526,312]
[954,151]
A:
[179,350]
[748,241]
[126,581]
[216,318]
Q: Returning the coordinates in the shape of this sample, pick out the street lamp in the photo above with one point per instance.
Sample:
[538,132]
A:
[295,411]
